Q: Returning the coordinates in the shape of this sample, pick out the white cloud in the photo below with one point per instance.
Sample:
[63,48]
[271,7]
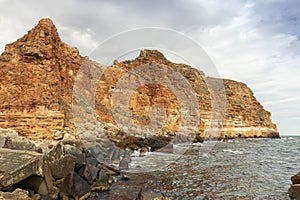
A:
[244,50]
[80,38]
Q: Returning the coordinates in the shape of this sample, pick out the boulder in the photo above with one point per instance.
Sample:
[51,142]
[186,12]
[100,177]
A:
[10,139]
[73,185]
[67,187]
[294,192]
[124,164]
[78,154]
[89,173]
[17,194]
[82,188]
[116,155]
[62,166]
[296,178]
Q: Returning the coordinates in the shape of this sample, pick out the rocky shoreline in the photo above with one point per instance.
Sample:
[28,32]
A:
[65,170]
[38,114]
[62,170]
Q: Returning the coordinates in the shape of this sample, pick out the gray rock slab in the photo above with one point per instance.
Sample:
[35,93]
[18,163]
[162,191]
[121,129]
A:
[17,165]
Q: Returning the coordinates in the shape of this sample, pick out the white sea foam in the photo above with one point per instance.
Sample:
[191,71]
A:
[232,151]
[282,162]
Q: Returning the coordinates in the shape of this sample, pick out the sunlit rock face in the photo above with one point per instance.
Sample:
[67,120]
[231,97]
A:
[37,77]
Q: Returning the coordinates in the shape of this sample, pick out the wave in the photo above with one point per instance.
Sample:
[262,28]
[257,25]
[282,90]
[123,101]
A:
[283,162]
[232,151]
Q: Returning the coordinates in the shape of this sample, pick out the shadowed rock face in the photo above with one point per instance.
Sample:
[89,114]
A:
[37,77]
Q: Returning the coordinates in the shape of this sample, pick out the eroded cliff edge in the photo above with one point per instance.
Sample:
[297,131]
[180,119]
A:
[37,77]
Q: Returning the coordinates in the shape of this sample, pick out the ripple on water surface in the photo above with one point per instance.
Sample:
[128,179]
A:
[234,169]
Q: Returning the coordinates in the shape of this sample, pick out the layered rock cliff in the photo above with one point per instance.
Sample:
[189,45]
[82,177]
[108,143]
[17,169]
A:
[37,74]
[240,114]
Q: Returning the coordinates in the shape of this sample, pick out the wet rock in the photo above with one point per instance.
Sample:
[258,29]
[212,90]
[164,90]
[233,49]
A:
[125,177]
[198,139]
[100,188]
[161,198]
[294,192]
[167,149]
[150,195]
[124,164]
[17,194]
[62,166]
[127,155]
[73,185]
[140,196]
[143,151]
[296,178]
[116,155]
[109,169]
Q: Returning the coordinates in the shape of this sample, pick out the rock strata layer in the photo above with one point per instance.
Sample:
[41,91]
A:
[240,114]
[37,75]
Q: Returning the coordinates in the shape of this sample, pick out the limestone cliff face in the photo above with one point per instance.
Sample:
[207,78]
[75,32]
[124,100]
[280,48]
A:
[245,117]
[37,74]
[36,78]
[242,117]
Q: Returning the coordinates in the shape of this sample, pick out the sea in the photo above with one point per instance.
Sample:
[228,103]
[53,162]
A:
[231,169]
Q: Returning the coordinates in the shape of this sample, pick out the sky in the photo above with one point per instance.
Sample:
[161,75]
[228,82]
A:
[256,42]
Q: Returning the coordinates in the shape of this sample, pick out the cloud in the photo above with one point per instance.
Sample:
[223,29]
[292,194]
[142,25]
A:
[256,42]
